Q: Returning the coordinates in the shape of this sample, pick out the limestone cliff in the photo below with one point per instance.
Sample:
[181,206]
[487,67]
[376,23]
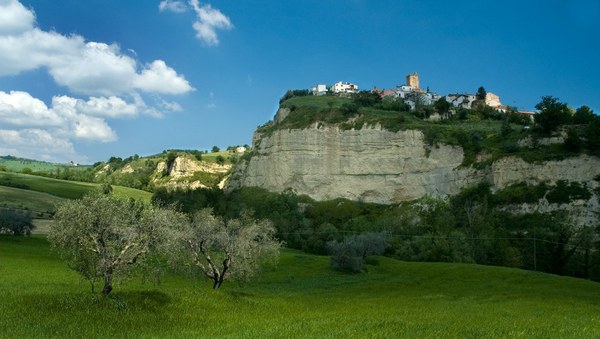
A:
[380,166]
[187,173]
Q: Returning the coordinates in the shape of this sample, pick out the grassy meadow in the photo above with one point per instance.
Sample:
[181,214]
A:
[17,164]
[63,188]
[37,202]
[301,297]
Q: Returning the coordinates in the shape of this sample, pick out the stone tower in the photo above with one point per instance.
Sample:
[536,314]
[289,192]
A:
[412,80]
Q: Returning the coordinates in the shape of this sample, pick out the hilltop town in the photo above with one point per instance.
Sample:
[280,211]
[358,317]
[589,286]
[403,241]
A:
[413,95]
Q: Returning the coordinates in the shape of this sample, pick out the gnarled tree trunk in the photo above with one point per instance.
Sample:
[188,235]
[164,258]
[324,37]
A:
[107,282]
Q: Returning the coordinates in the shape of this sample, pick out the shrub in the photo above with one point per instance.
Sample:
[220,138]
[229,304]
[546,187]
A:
[349,108]
[15,223]
[565,192]
[573,141]
[350,254]
[366,99]
[520,193]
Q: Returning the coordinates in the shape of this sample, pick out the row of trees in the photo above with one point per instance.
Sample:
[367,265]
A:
[104,238]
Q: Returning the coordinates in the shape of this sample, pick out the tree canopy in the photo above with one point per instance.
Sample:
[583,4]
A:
[552,114]
[481,93]
[223,249]
[101,237]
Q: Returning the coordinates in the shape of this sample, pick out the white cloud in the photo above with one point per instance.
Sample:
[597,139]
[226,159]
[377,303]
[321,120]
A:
[160,78]
[37,144]
[170,106]
[89,68]
[93,129]
[112,107]
[34,49]
[208,20]
[96,68]
[172,5]
[14,17]
[21,109]
[68,117]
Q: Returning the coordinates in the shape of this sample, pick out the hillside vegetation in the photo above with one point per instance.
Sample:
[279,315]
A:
[301,297]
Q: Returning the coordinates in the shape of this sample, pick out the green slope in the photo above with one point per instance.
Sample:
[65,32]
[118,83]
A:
[15,198]
[59,188]
[63,188]
[301,297]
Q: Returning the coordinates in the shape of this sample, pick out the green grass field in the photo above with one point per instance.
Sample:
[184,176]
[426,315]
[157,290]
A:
[301,297]
[17,165]
[16,198]
[62,188]
[56,187]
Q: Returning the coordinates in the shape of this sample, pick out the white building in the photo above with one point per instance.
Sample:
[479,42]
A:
[319,90]
[344,87]
[461,100]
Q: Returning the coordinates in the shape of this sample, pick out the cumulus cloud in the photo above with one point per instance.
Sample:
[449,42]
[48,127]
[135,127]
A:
[112,107]
[172,5]
[208,20]
[37,144]
[160,78]
[21,109]
[93,129]
[89,68]
[14,17]
[68,117]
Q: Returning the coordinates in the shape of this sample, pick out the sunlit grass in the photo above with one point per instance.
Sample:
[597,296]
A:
[63,188]
[16,198]
[301,297]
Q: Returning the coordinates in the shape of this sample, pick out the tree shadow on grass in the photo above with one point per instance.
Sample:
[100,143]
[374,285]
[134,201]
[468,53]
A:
[147,301]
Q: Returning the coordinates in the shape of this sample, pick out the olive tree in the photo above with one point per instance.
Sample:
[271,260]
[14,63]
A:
[223,249]
[101,237]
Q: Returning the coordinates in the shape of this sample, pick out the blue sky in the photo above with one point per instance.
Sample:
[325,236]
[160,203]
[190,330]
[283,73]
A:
[86,80]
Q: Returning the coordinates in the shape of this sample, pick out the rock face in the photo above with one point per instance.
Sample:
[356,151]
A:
[375,165]
[183,167]
[182,171]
